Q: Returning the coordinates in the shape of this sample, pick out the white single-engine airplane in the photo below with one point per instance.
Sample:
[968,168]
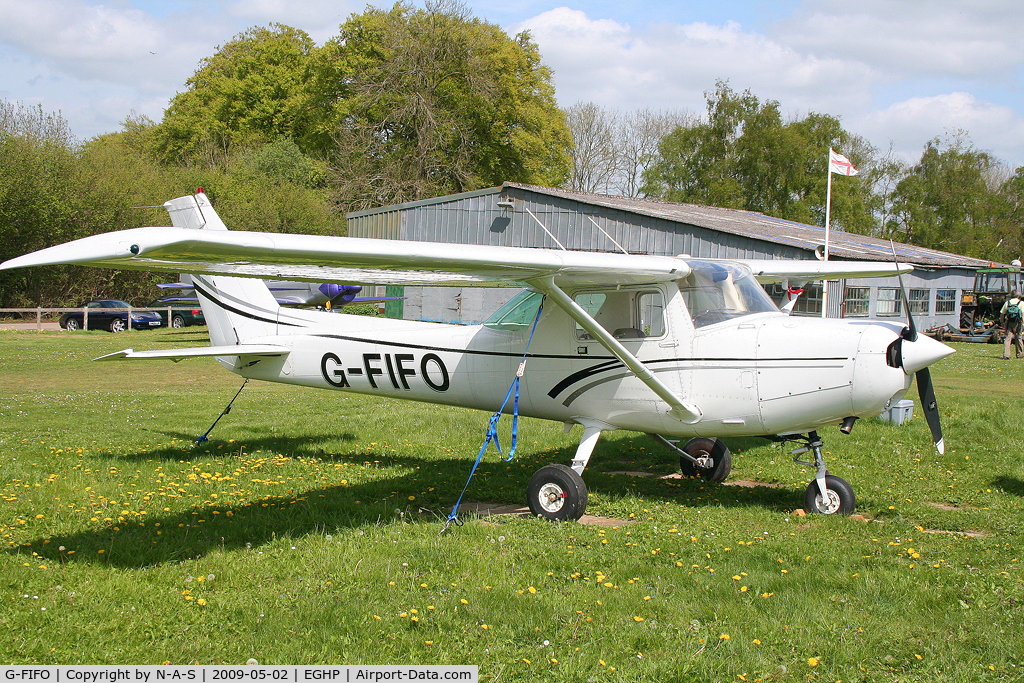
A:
[674,347]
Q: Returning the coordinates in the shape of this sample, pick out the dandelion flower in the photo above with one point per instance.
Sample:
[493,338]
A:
[201,602]
[724,636]
[638,619]
[812,662]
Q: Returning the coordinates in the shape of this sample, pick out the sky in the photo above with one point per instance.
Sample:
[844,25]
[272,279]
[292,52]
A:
[896,72]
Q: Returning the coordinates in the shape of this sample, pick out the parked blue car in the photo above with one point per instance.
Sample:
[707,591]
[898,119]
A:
[101,317]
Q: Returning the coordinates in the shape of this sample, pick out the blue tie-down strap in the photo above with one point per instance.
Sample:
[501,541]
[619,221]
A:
[224,412]
[492,426]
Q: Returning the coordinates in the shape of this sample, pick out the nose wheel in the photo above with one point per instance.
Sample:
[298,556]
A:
[838,497]
[827,494]
[557,493]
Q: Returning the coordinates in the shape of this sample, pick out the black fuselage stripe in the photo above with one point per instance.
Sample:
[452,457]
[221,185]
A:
[442,349]
[245,314]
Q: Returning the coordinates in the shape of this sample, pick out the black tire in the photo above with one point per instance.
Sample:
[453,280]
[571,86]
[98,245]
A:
[841,500]
[118,325]
[714,448]
[71,325]
[557,493]
[178,321]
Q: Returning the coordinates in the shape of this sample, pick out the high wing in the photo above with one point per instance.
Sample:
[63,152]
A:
[313,258]
[781,269]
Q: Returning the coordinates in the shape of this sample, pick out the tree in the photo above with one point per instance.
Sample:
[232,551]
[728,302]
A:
[612,149]
[946,201]
[744,156]
[594,155]
[638,134]
[250,91]
[437,102]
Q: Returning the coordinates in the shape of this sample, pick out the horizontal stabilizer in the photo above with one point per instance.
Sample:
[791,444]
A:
[243,350]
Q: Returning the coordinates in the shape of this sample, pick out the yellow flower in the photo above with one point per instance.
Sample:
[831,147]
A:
[724,636]
[201,602]
[638,619]
[532,590]
[464,601]
[812,662]
[756,641]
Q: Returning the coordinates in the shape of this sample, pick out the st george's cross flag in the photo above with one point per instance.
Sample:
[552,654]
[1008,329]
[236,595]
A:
[837,163]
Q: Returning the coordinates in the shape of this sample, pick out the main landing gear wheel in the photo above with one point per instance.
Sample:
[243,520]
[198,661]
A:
[838,498]
[557,493]
[715,459]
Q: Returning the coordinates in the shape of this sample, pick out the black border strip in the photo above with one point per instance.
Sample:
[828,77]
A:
[220,304]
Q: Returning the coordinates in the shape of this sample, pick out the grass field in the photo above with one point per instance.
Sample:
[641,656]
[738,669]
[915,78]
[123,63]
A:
[306,531]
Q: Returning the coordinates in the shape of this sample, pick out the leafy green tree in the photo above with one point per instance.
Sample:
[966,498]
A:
[250,91]
[436,102]
[745,156]
[946,202]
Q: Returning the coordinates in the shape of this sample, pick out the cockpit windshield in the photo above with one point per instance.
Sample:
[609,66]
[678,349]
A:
[717,291]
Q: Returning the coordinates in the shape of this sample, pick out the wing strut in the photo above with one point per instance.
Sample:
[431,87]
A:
[685,412]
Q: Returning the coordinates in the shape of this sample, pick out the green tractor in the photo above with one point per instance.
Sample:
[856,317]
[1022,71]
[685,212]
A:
[979,307]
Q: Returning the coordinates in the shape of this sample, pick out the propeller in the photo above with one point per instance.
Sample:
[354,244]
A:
[925,390]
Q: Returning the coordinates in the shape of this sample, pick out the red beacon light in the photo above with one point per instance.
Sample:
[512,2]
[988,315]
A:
[199,190]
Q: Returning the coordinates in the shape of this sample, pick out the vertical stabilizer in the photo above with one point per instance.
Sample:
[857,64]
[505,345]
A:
[236,309]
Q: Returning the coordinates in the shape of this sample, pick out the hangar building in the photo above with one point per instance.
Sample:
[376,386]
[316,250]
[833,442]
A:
[530,216]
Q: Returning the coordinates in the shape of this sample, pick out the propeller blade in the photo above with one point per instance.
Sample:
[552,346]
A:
[911,331]
[931,408]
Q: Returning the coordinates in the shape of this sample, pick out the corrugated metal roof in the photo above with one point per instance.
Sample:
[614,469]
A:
[746,224]
[756,225]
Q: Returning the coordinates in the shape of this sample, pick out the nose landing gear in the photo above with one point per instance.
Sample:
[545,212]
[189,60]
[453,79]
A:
[827,494]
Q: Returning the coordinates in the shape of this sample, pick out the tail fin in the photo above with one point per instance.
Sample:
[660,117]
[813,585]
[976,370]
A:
[236,309]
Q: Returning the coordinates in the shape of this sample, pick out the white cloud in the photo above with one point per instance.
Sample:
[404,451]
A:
[671,65]
[319,18]
[910,124]
[980,39]
[100,43]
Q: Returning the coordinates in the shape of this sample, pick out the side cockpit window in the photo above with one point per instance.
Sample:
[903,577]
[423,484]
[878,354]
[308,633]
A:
[625,314]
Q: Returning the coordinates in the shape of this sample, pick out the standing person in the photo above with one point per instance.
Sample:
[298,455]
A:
[1012,315]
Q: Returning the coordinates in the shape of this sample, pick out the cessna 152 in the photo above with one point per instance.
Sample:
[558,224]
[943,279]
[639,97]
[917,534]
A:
[674,347]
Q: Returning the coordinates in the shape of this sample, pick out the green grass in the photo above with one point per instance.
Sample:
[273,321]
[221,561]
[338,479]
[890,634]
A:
[306,531]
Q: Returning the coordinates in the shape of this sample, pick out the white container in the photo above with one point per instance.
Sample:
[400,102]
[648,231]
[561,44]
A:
[900,412]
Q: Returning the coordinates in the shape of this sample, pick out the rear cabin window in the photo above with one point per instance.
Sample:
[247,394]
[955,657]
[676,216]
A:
[518,314]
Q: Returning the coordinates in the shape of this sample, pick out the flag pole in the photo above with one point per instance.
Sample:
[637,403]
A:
[828,212]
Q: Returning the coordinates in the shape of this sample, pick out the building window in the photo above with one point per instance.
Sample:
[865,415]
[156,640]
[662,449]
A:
[919,300]
[889,302]
[945,301]
[808,303]
[855,302]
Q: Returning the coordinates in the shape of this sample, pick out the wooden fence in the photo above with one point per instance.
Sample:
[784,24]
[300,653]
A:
[39,311]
